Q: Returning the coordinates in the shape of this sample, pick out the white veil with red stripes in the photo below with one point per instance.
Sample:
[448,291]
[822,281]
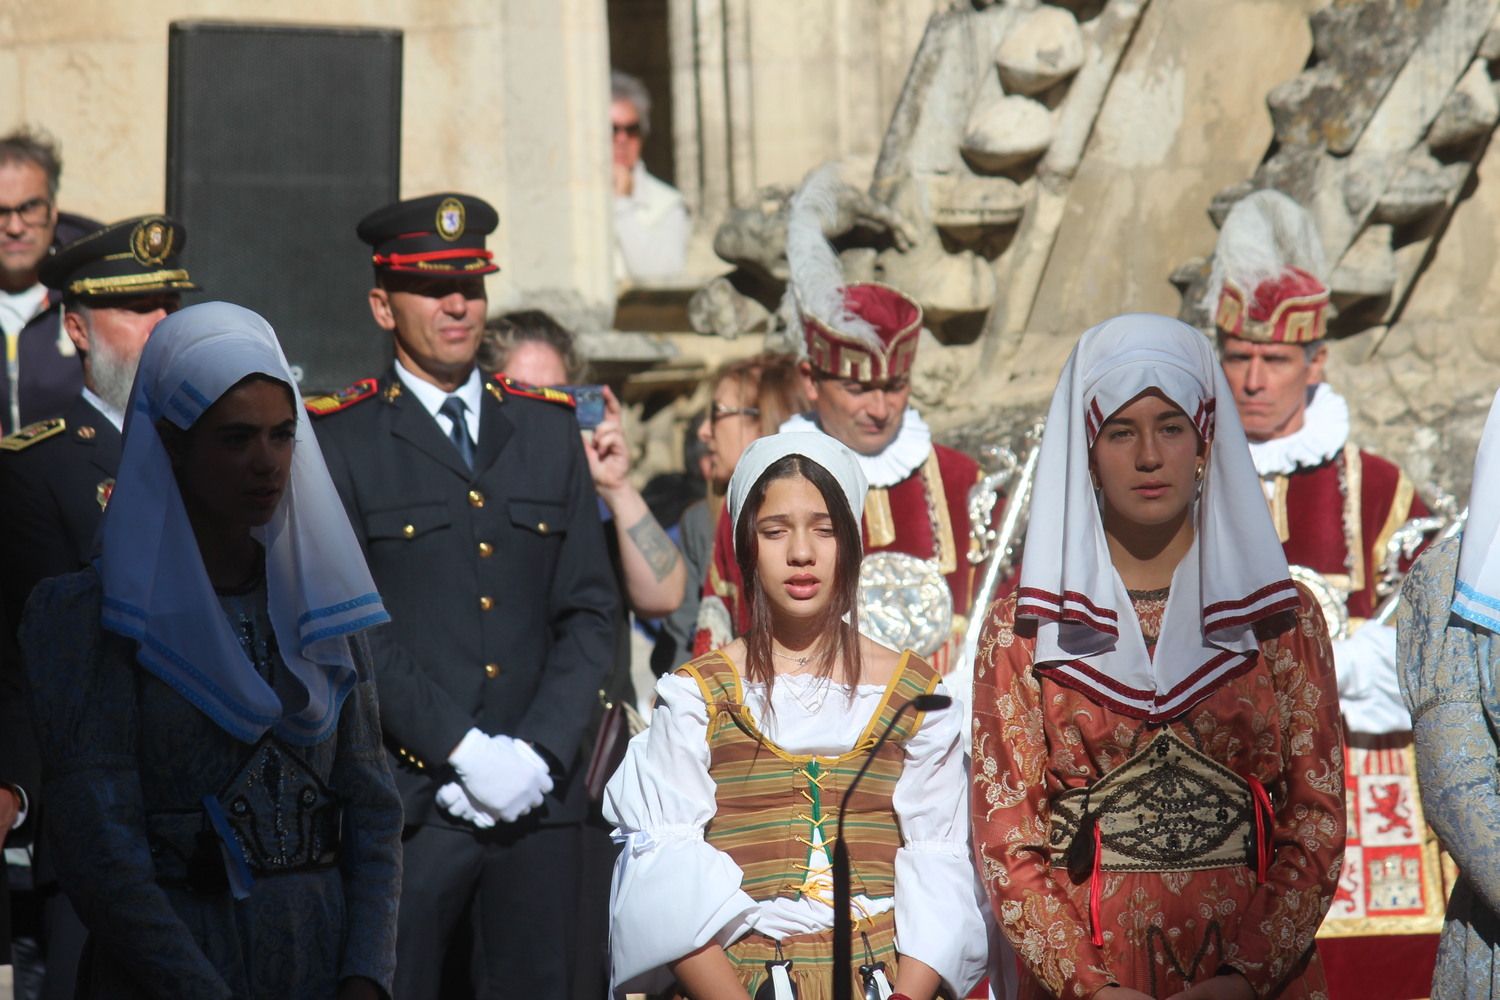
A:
[1234,576]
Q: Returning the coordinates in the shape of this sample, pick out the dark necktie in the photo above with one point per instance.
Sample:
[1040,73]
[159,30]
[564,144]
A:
[453,408]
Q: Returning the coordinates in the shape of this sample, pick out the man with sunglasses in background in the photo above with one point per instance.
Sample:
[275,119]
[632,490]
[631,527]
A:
[41,365]
[651,222]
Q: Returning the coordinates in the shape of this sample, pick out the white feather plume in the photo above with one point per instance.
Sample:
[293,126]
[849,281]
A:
[1265,233]
[817,281]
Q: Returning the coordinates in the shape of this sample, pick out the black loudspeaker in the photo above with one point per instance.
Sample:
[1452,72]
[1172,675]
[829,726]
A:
[279,139]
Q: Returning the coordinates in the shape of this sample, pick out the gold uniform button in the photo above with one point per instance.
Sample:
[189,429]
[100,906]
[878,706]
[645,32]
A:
[486,550]
[541,527]
[409,530]
[492,670]
[476,498]
[485,603]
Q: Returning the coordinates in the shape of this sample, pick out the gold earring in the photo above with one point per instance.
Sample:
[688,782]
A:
[1198,473]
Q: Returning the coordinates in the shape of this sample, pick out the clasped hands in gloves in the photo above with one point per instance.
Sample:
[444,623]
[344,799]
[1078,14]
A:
[499,779]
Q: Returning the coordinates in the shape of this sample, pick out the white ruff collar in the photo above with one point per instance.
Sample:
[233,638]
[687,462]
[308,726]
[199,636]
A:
[1324,432]
[899,459]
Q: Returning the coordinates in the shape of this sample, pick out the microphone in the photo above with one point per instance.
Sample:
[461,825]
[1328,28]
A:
[843,926]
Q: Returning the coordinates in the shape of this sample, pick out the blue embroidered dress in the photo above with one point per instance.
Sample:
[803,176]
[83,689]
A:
[1451,683]
[128,764]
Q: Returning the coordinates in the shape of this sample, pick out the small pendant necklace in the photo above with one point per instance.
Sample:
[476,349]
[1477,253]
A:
[801,661]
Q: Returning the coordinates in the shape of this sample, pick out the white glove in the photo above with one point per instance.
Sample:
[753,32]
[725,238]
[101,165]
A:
[502,776]
[1370,681]
[456,802]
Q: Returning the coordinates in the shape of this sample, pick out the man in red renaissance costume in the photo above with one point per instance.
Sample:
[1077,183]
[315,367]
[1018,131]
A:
[1350,518]
[861,341]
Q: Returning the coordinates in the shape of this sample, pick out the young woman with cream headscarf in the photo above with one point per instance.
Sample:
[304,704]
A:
[220,804]
[727,804]
[1450,678]
[1158,784]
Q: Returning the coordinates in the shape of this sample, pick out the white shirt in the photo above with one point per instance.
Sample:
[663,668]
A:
[651,229]
[431,398]
[17,308]
[674,893]
[111,414]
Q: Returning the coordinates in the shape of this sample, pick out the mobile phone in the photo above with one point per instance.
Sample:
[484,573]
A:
[588,402]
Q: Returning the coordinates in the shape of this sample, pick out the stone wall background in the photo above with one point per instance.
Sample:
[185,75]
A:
[1024,168]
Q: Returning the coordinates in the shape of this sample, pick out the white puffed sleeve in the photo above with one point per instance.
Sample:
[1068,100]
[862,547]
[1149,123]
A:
[673,893]
[939,917]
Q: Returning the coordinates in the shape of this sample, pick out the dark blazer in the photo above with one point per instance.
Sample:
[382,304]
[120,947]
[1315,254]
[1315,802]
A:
[52,494]
[497,581]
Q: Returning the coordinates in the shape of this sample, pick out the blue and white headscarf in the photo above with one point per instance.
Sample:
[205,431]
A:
[156,589]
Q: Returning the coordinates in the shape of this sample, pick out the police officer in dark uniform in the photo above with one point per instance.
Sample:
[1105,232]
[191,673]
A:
[473,501]
[56,475]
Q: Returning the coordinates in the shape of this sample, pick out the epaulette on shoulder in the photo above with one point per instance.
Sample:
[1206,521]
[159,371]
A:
[321,406]
[32,433]
[544,393]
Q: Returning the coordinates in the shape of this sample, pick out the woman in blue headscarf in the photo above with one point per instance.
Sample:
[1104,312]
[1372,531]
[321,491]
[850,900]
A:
[1450,678]
[223,815]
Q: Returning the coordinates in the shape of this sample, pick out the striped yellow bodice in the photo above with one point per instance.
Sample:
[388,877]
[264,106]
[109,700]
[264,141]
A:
[774,807]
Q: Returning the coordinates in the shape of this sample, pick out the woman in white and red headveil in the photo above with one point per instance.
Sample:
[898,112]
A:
[1158,784]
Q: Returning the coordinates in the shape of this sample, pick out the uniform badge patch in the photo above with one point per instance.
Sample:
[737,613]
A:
[321,406]
[450,219]
[541,392]
[103,492]
[151,242]
[32,433]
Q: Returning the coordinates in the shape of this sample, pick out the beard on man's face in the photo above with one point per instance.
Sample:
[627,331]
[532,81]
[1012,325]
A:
[112,373]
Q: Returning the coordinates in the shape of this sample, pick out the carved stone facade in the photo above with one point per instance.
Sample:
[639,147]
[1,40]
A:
[1023,168]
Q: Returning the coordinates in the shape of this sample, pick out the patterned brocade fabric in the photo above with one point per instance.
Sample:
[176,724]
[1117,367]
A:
[1150,607]
[1451,681]
[1162,930]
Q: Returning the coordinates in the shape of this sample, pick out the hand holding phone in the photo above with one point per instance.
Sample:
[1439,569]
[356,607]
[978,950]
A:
[588,403]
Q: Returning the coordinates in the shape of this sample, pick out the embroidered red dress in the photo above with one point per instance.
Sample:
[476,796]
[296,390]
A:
[1181,892]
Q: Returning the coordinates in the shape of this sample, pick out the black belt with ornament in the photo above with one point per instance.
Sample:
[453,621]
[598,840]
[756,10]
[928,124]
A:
[1169,808]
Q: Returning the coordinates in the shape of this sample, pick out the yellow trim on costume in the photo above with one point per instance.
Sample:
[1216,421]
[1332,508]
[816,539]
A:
[1278,508]
[879,525]
[1354,530]
[946,550]
[1396,516]
[861,745]
[125,282]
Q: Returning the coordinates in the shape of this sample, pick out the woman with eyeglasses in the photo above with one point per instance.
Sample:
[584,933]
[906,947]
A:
[751,398]
[1158,787]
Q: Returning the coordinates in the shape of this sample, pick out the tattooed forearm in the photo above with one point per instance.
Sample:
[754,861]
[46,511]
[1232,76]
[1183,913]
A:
[653,543]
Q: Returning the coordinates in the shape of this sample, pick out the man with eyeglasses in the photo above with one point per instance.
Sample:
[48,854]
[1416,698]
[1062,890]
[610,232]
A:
[651,222]
[56,476]
[41,366]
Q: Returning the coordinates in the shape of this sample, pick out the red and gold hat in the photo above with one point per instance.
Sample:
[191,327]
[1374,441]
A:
[1291,308]
[897,321]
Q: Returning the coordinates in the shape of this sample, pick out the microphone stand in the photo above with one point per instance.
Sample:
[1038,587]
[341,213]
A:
[843,926]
